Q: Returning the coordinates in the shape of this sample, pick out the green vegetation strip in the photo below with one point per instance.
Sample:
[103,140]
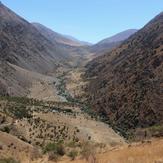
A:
[61,87]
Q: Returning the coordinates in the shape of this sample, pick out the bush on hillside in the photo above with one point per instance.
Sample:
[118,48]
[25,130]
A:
[56,148]
[8,160]
[73,154]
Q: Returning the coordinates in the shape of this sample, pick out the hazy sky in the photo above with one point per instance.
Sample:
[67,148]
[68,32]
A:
[88,20]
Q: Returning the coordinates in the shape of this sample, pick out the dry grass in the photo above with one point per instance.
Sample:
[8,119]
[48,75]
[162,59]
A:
[140,153]
[15,148]
[136,153]
[97,131]
[75,83]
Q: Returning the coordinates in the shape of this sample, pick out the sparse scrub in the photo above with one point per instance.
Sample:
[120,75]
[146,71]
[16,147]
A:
[156,130]
[35,154]
[57,148]
[8,160]
[73,154]
[52,156]
[88,152]
[71,144]
[6,129]
[113,144]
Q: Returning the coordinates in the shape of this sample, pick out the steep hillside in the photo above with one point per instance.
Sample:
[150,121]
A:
[110,43]
[21,44]
[59,38]
[54,36]
[119,37]
[127,89]
[66,44]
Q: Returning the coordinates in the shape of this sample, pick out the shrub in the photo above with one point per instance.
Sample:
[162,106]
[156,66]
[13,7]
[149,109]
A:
[1,147]
[88,151]
[71,144]
[8,160]
[156,130]
[52,156]
[56,148]
[73,154]
[20,112]
[6,129]
[35,154]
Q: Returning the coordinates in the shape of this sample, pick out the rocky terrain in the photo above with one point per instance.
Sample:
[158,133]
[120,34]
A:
[127,89]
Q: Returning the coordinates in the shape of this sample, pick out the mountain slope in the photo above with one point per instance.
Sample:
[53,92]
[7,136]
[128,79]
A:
[119,37]
[54,36]
[21,44]
[69,46]
[112,42]
[83,43]
[127,89]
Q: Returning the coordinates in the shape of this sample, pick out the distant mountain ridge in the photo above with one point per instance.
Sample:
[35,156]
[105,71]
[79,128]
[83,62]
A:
[83,43]
[70,47]
[96,49]
[119,37]
[112,42]
[59,38]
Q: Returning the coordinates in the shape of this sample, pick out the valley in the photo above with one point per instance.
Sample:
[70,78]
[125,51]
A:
[63,117]
[65,100]
[60,117]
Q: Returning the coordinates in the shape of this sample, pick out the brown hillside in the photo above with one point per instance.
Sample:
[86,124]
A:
[128,84]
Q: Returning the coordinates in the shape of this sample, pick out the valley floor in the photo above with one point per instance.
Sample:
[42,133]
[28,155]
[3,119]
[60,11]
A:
[57,115]
[75,123]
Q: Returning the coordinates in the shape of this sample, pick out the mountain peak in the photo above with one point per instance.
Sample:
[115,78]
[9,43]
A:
[8,16]
[2,5]
[112,42]
[119,37]
[160,14]
[156,19]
